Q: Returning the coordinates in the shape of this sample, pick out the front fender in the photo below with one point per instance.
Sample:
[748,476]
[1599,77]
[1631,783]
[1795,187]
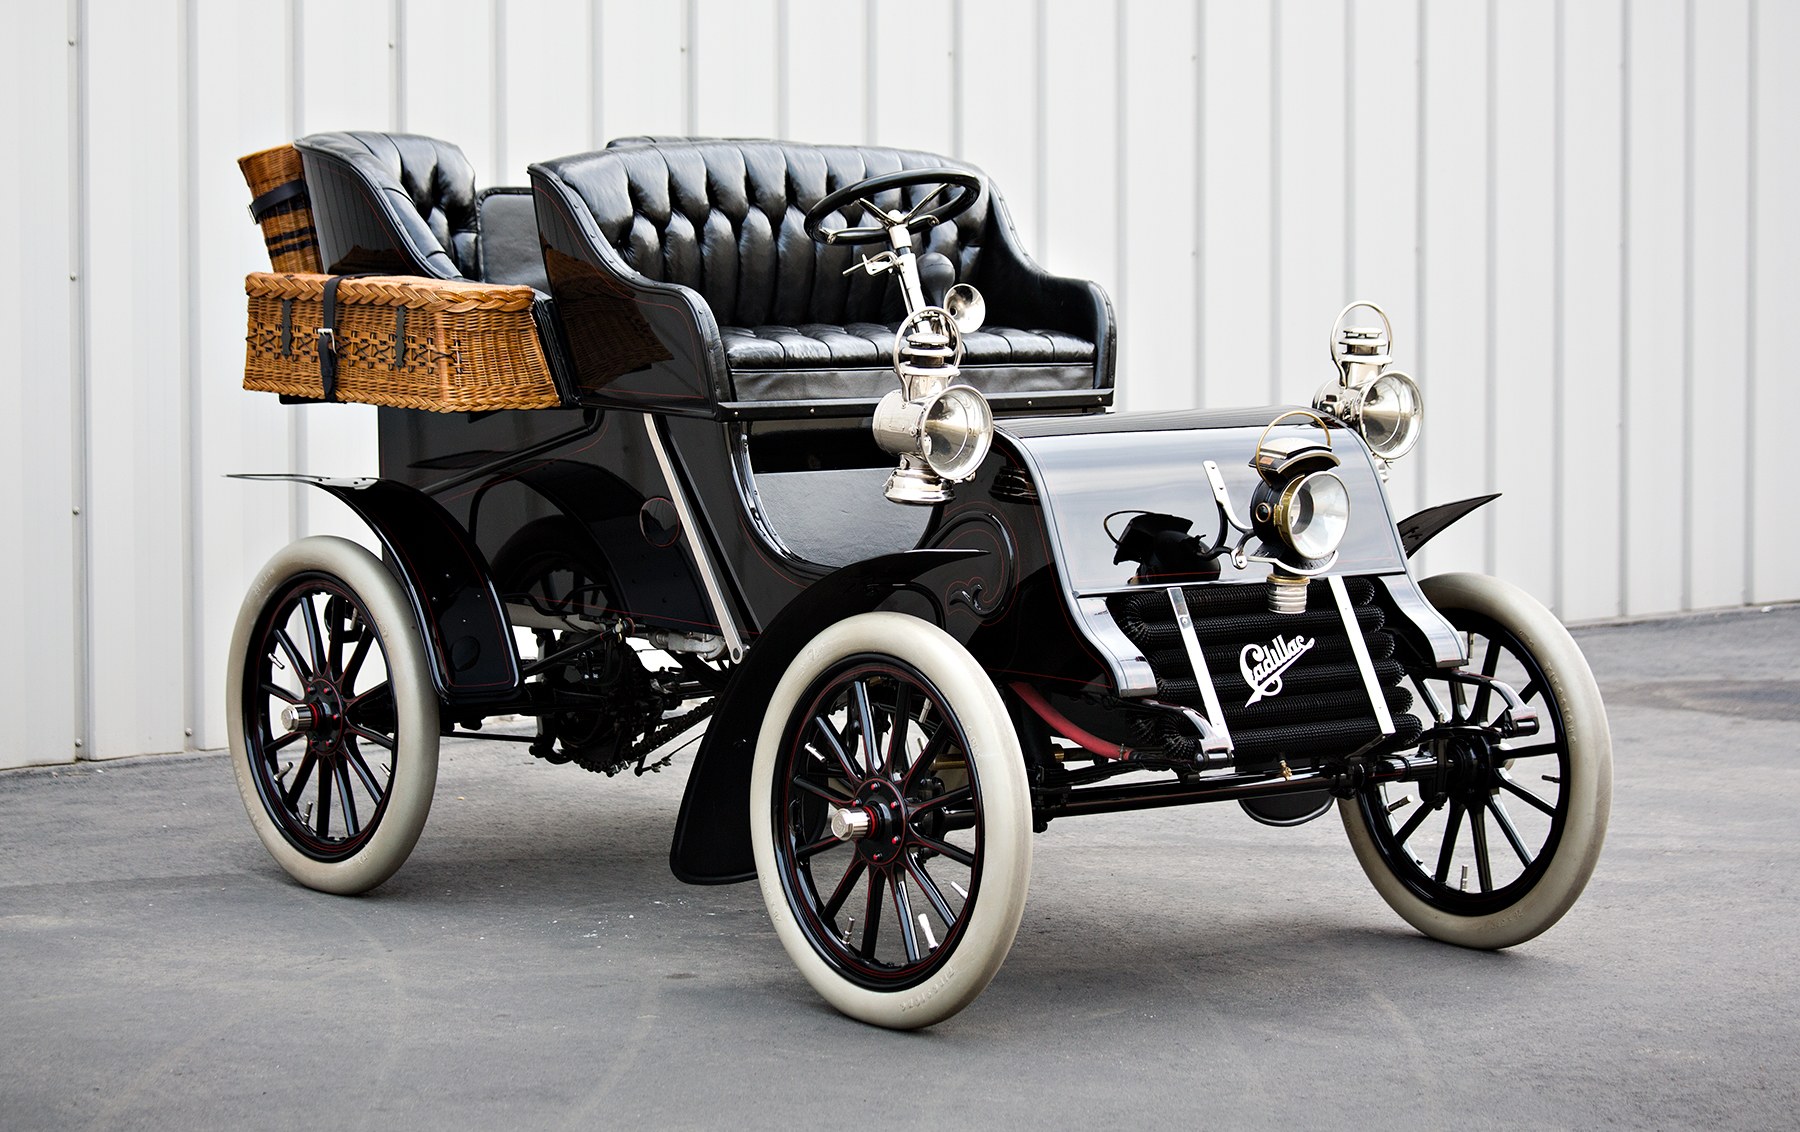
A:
[468,640]
[712,832]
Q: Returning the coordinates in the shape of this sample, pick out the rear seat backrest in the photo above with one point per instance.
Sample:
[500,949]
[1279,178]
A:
[399,203]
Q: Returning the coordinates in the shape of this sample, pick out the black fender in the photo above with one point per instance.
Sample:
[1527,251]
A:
[712,832]
[468,640]
[1421,527]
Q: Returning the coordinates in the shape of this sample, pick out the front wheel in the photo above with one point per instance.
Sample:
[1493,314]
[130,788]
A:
[1495,845]
[891,820]
[332,716]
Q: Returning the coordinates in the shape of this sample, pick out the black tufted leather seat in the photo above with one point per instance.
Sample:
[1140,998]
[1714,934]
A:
[716,227]
[406,204]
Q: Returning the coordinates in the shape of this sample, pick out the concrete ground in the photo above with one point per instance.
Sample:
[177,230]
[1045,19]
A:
[535,965]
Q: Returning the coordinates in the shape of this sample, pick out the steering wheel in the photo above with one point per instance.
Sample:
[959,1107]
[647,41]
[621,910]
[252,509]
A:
[967,184]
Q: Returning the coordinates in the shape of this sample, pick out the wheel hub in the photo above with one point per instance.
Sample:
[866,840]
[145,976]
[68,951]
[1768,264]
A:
[320,715]
[880,812]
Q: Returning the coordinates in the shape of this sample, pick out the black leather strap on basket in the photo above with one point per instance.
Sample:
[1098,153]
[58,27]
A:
[288,194]
[328,335]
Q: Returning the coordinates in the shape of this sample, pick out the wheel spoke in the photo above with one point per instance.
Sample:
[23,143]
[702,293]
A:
[872,915]
[302,775]
[896,742]
[845,887]
[286,740]
[1430,698]
[813,849]
[270,688]
[355,663]
[373,694]
[1504,821]
[287,645]
[374,737]
[1530,691]
[865,722]
[363,773]
[929,887]
[1412,824]
[1447,851]
[934,747]
[1489,663]
[945,849]
[315,643]
[836,746]
[1478,833]
[903,909]
[819,790]
[948,796]
[346,803]
[1533,750]
[334,637]
[1530,799]
[322,818]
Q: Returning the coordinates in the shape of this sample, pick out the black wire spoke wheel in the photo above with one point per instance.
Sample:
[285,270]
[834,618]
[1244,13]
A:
[1495,842]
[323,735]
[891,820]
[880,818]
[332,715]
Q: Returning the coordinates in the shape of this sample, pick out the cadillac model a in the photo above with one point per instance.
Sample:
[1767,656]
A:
[796,443]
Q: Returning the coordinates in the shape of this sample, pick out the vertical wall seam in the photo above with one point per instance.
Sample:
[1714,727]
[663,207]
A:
[1687,306]
[1121,151]
[397,64]
[1349,143]
[1752,201]
[1490,301]
[81,470]
[871,75]
[1275,202]
[497,67]
[1624,399]
[596,74]
[193,630]
[1558,316]
[1040,127]
[690,50]
[1198,390]
[783,60]
[1421,210]
[299,506]
[958,53]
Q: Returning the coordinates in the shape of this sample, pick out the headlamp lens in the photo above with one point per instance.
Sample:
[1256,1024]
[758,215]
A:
[958,428]
[1390,414]
[1314,514]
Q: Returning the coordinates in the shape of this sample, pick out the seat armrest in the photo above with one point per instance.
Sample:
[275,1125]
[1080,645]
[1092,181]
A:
[1020,293]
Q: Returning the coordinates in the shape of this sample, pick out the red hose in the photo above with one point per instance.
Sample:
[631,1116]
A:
[1060,724]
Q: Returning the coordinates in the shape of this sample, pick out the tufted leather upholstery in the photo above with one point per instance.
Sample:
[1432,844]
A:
[392,201]
[723,219]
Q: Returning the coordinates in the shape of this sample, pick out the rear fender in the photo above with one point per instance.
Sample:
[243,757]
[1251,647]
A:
[712,833]
[468,640]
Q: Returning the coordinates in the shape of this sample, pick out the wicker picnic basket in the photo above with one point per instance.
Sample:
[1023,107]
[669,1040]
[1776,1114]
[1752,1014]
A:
[280,205]
[406,341]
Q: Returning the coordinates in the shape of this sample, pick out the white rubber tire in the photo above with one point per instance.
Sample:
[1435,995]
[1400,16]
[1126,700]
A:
[416,705]
[1589,788]
[1006,817]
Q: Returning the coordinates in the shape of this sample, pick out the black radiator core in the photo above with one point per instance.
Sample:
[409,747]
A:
[1322,706]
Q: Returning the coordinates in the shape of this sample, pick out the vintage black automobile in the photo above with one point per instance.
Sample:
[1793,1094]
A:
[835,472]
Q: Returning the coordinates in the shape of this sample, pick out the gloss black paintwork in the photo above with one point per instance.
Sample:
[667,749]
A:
[467,636]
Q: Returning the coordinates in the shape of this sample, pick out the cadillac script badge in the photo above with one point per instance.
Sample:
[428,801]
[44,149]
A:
[1262,665]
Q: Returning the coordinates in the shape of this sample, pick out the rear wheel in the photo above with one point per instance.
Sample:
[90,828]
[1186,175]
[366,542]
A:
[891,820]
[1497,844]
[332,716]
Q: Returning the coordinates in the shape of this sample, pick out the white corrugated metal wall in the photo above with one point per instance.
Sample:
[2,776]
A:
[1579,213]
